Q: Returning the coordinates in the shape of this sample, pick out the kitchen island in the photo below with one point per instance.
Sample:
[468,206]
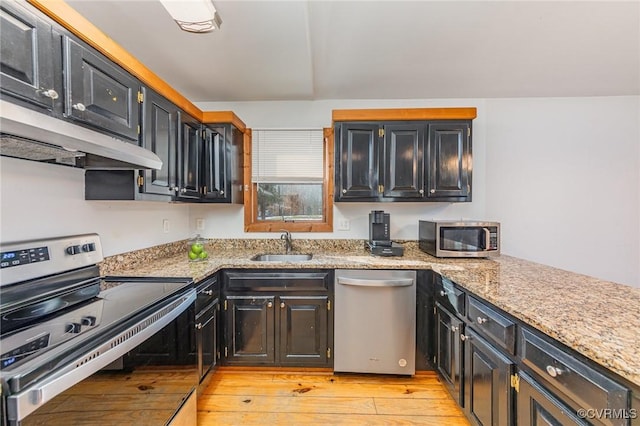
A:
[596,318]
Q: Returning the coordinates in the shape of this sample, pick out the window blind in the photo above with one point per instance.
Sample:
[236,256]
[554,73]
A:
[282,156]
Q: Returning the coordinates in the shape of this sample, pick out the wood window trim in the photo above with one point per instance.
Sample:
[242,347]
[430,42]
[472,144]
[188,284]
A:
[251,224]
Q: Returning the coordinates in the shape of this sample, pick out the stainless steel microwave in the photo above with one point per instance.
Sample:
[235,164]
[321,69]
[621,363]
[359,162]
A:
[459,238]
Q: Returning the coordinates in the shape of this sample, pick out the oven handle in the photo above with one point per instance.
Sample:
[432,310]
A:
[24,403]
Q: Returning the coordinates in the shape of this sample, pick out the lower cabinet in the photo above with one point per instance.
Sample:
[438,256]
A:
[449,351]
[277,330]
[487,382]
[536,406]
[278,318]
[424,322]
[206,329]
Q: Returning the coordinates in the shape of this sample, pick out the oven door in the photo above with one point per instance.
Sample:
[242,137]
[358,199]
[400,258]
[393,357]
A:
[109,380]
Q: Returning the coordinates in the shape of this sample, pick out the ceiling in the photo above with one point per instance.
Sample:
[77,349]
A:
[308,50]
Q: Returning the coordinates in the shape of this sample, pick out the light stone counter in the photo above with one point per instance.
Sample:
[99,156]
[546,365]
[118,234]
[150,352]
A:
[598,319]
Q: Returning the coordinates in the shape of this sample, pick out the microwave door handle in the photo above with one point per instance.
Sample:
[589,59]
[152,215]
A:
[487,238]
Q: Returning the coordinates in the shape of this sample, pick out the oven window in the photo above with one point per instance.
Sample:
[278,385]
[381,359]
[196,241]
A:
[470,238]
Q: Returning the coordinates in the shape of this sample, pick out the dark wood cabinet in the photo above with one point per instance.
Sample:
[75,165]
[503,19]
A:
[403,171]
[449,161]
[425,316]
[537,406]
[250,329]
[303,330]
[403,161]
[222,164]
[379,162]
[160,120]
[99,93]
[30,58]
[357,152]
[487,382]
[278,318]
[449,351]
[189,153]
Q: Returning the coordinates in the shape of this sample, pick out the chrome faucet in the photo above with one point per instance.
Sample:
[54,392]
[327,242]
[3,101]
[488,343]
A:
[286,236]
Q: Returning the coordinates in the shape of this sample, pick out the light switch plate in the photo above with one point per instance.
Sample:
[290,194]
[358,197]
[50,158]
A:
[344,225]
[165,225]
[200,224]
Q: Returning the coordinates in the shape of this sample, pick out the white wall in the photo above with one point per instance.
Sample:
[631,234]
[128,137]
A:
[561,175]
[563,178]
[45,200]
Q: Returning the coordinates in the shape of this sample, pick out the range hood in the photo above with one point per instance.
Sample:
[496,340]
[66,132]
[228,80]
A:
[34,136]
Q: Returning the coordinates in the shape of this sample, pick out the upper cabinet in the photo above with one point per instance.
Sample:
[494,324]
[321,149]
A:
[99,93]
[403,160]
[189,159]
[222,164]
[30,56]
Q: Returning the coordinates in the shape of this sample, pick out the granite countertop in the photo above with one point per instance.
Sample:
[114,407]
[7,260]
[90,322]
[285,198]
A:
[597,318]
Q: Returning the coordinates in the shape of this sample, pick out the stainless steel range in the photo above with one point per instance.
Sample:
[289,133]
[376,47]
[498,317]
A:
[58,327]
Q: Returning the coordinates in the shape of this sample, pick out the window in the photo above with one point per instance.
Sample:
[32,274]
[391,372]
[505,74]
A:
[291,181]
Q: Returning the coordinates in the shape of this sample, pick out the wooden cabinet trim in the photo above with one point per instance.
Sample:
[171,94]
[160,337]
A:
[466,113]
[225,117]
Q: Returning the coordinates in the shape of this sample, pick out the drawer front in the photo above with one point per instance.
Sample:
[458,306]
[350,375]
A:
[448,295]
[579,382]
[493,325]
[206,291]
[281,281]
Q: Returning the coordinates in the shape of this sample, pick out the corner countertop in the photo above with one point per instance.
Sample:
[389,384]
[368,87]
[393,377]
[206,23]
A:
[596,318]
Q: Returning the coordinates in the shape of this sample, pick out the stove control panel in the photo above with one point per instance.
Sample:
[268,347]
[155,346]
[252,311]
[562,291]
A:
[22,261]
[16,354]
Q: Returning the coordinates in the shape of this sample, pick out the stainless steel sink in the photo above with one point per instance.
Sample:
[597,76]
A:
[282,257]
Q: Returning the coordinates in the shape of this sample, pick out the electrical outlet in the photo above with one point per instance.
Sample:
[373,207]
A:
[165,225]
[343,225]
[200,224]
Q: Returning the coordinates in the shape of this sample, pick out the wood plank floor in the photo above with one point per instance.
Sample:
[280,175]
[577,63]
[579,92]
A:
[252,397]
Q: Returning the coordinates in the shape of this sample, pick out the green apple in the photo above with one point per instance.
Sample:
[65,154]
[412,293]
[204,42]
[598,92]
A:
[192,255]
[197,248]
[203,254]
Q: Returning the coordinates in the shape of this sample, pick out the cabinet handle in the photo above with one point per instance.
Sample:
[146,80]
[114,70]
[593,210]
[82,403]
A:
[443,293]
[454,329]
[553,371]
[208,292]
[79,106]
[463,337]
[421,191]
[51,94]
[199,326]
[221,192]
[481,320]
[433,191]
[282,305]
[270,304]
[183,190]
[344,191]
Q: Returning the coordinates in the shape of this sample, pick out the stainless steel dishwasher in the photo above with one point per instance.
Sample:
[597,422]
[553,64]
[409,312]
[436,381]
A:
[375,321]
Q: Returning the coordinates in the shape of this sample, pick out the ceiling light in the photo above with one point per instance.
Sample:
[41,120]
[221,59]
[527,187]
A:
[195,16]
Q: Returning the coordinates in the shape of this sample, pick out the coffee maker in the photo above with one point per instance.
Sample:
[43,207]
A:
[380,243]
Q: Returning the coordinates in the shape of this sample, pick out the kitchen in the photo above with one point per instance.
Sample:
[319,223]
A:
[516,162]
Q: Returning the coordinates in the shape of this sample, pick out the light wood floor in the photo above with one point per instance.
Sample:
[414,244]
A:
[236,397]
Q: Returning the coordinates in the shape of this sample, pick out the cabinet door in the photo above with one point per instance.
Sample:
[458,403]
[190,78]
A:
[206,326]
[303,330]
[537,407]
[357,161]
[449,355]
[487,387]
[403,171]
[189,161]
[27,52]
[160,122]
[214,164]
[99,93]
[449,161]
[250,330]
[424,329]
